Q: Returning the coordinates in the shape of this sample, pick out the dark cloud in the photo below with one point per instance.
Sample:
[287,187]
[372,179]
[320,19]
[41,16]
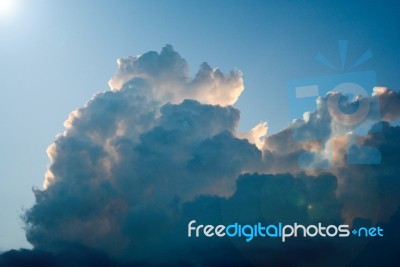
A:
[373,191]
[258,198]
[136,164]
[70,256]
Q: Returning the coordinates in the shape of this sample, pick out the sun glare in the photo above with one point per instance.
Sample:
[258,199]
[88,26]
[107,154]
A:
[6,7]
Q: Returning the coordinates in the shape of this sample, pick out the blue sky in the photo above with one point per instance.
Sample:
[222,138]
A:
[54,55]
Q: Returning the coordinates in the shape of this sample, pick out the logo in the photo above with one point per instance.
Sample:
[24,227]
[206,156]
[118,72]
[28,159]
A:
[280,230]
[349,106]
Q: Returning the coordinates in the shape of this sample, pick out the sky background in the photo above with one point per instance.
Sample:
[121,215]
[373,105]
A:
[55,55]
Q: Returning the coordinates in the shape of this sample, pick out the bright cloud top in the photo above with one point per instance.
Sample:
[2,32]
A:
[168,79]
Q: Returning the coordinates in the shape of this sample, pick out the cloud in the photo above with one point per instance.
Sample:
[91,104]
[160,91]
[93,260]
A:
[256,135]
[130,158]
[389,103]
[138,162]
[169,79]
[100,186]
[70,256]
[372,191]
[319,143]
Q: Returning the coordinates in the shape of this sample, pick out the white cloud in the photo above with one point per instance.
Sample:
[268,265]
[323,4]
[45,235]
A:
[168,79]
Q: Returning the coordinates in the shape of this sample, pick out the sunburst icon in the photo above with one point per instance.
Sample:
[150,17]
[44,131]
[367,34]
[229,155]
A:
[343,44]
[345,96]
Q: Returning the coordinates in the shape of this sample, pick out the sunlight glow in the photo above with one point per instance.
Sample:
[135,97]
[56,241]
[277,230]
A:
[7,7]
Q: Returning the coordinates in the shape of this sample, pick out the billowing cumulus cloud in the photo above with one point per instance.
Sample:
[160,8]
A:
[168,79]
[130,158]
[138,162]
[389,103]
